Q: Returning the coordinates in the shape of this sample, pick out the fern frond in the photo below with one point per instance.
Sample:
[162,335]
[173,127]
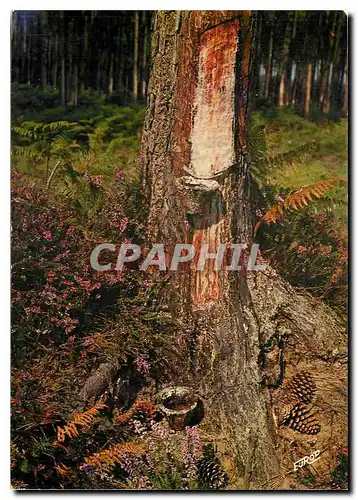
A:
[295,155]
[62,125]
[63,470]
[34,130]
[298,199]
[82,419]
[257,142]
[24,132]
[48,127]
[27,151]
[114,454]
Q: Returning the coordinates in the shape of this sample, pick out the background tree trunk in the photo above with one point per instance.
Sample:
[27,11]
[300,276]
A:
[144,55]
[44,44]
[55,63]
[195,170]
[308,90]
[268,70]
[285,53]
[63,63]
[135,55]
[346,90]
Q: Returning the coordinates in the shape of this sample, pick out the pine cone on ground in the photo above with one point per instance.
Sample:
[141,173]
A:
[291,403]
[286,404]
[302,386]
[302,420]
[210,474]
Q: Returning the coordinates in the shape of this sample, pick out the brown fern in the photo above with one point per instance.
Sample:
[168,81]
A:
[113,455]
[80,419]
[298,199]
[63,470]
[144,410]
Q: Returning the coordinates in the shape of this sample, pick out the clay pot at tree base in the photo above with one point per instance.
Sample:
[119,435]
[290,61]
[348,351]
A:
[180,406]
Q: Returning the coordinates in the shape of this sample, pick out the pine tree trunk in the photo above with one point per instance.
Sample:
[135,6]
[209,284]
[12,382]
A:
[74,93]
[135,55]
[24,52]
[120,61]
[308,91]
[63,63]
[282,89]
[85,57]
[110,74]
[144,56]
[268,67]
[29,59]
[325,97]
[291,88]
[55,63]
[63,82]
[211,304]
[195,173]
[290,63]
[326,105]
[323,85]
[283,75]
[44,45]
[345,93]
[69,59]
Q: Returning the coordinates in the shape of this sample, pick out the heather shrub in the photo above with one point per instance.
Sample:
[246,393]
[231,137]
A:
[159,460]
[68,318]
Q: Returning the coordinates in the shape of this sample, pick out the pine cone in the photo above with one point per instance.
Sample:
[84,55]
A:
[210,474]
[302,420]
[302,386]
[286,404]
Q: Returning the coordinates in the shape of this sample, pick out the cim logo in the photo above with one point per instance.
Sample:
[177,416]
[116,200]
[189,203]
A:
[309,459]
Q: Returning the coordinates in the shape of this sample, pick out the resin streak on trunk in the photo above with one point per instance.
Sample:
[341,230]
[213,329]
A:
[213,144]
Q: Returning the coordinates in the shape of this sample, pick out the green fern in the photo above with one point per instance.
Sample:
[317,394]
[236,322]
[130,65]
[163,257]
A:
[295,155]
[262,162]
[41,141]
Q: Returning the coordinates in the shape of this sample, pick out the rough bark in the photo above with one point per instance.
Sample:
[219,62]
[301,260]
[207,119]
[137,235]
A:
[99,381]
[195,169]
[214,307]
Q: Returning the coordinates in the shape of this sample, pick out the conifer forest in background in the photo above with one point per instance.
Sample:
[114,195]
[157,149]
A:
[301,56]
[90,350]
